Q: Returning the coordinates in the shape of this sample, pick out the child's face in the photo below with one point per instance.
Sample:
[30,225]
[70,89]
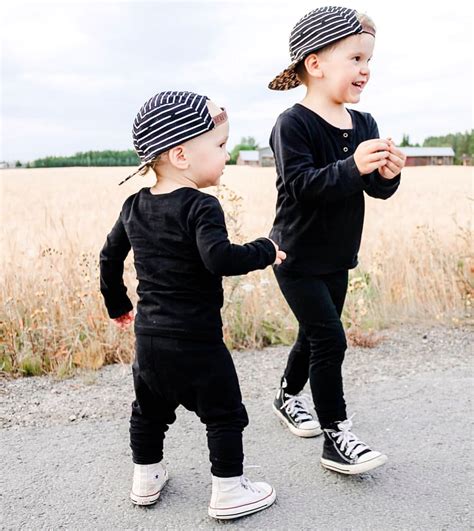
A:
[345,68]
[207,153]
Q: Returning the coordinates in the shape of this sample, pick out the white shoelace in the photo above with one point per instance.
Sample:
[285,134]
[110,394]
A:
[298,407]
[347,441]
[247,484]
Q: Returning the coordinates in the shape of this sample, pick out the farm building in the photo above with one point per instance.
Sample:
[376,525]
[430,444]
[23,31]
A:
[248,158]
[266,157]
[428,156]
[258,157]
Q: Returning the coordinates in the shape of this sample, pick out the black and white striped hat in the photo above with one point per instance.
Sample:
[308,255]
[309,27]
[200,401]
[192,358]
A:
[169,119]
[314,31]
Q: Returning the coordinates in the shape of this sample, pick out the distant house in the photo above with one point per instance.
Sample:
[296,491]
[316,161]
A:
[428,156]
[258,157]
[248,158]
[266,157]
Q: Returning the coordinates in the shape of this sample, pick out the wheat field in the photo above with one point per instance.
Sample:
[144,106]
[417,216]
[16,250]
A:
[415,262]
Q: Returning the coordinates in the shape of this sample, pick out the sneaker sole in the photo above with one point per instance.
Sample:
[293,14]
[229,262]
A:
[354,469]
[242,510]
[147,500]
[296,431]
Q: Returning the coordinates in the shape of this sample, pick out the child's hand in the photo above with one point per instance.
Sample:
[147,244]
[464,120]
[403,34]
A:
[371,155]
[394,162]
[124,320]
[280,255]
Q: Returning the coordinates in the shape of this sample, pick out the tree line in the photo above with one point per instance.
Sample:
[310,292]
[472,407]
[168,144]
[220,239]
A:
[462,144]
[90,158]
[117,158]
[121,158]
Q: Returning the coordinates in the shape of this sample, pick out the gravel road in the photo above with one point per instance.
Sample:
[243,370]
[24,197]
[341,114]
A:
[66,462]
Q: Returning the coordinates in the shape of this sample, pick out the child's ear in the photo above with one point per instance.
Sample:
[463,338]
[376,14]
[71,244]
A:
[313,65]
[177,157]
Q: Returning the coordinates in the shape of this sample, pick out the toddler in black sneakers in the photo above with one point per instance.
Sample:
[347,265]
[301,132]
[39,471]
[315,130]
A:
[327,158]
[181,251]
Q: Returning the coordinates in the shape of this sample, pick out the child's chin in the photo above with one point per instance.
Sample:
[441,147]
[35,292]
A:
[353,99]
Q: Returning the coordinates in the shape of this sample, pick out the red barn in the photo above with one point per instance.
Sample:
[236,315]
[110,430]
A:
[429,156]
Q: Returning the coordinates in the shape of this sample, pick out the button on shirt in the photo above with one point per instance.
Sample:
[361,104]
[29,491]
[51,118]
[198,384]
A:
[320,202]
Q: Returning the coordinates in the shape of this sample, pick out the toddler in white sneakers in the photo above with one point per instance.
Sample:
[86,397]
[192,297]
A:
[181,252]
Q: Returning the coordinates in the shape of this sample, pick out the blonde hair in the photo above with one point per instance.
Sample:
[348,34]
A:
[368,26]
[152,165]
[366,22]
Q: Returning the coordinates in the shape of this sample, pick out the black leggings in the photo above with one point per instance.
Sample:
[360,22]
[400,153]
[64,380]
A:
[169,372]
[317,303]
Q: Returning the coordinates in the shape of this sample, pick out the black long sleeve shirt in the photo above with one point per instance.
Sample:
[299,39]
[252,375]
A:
[181,251]
[320,203]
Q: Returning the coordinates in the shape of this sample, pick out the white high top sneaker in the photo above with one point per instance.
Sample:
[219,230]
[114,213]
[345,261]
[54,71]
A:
[148,482]
[238,496]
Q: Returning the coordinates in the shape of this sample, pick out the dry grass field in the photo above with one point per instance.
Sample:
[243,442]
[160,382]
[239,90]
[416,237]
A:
[415,262]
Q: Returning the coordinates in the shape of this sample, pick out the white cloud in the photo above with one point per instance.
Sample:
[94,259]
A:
[74,75]
[37,34]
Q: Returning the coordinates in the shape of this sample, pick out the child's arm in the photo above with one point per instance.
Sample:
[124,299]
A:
[296,166]
[112,259]
[219,255]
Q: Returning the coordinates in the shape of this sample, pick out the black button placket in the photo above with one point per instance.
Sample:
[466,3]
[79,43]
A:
[346,143]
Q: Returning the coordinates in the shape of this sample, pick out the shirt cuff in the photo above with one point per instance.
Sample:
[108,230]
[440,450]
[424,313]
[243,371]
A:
[357,180]
[273,250]
[386,182]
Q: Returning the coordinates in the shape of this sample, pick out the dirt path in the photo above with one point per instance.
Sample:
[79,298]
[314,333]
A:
[66,462]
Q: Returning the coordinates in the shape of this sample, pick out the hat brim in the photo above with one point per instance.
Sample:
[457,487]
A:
[286,80]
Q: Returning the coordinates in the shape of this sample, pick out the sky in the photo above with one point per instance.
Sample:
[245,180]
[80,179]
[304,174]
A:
[73,75]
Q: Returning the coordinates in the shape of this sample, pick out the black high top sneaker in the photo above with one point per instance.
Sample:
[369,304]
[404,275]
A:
[294,411]
[343,452]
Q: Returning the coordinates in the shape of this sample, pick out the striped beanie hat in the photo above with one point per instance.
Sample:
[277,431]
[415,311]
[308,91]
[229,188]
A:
[169,119]
[314,31]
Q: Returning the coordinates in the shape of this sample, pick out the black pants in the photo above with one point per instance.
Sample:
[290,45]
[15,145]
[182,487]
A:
[317,303]
[169,372]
